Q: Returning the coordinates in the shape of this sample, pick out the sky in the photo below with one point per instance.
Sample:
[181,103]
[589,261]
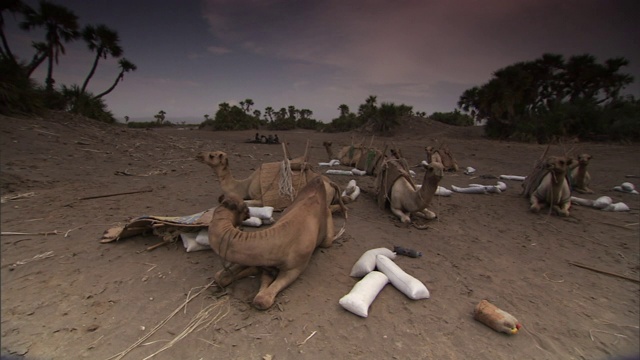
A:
[193,55]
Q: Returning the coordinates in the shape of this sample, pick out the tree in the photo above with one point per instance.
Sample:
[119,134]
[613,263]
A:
[126,119]
[268,113]
[160,116]
[206,117]
[125,67]
[104,42]
[61,25]
[344,110]
[14,7]
[546,97]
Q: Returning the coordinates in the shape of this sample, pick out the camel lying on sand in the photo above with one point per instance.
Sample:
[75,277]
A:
[404,197]
[443,156]
[580,178]
[250,189]
[281,252]
[548,185]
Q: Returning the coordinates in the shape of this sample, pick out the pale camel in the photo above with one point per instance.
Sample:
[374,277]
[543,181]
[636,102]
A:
[406,200]
[284,249]
[553,189]
[350,155]
[580,178]
[249,189]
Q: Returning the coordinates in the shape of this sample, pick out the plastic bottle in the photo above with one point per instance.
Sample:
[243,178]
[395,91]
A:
[406,252]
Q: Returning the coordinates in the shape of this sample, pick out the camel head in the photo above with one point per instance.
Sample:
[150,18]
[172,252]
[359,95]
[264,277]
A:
[235,205]
[435,171]
[558,165]
[429,149]
[327,143]
[215,159]
[583,159]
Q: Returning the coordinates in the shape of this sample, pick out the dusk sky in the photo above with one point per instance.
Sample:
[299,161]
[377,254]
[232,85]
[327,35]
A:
[193,55]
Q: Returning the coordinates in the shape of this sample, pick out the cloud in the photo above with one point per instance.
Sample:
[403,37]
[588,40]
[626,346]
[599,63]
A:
[218,50]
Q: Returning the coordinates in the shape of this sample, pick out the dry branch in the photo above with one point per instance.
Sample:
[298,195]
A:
[603,271]
[115,194]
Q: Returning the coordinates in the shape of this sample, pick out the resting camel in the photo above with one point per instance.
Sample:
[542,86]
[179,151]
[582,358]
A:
[442,156]
[350,155]
[249,189]
[549,186]
[327,147]
[579,175]
[284,249]
[405,199]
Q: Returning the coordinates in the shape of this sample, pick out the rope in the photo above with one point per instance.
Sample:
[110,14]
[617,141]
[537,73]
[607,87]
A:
[285,183]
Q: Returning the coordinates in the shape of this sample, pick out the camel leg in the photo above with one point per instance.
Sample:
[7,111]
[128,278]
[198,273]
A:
[266,279]
[265,298]
[535,204]
[401,215]
[235,272]
[563,209]
[329,233]
[426,214]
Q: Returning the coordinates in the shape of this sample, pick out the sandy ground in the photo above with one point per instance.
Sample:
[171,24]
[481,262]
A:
[67,296]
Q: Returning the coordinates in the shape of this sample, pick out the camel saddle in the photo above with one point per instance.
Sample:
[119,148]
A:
[390,171]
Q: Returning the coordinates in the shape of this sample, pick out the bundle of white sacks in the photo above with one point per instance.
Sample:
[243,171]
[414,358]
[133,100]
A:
[603,203]
[359,299]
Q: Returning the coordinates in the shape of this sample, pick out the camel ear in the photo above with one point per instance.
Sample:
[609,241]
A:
[221,198]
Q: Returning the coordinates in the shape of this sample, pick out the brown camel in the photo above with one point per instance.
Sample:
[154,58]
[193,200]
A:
[281,252]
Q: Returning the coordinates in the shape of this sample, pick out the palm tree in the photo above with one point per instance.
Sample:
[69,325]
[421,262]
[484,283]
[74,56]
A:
[268,112]
[160,116]
[14,7]
[61,25]
[125,67]
[104,42]
[38,57]
[344,110]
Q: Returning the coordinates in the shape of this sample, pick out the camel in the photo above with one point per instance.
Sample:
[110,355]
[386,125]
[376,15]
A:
[249,189]
[579,175]
[548,185]
[443,156]
[327,147]
[282,252]
[404,197]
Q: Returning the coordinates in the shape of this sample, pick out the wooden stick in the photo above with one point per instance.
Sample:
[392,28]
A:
[603,271]
[115,194]
[153,247]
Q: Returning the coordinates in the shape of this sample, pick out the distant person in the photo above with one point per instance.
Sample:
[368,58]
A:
[276,140]
[257,138]
[270,139]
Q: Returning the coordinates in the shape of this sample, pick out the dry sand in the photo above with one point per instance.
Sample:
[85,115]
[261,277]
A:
[67,296]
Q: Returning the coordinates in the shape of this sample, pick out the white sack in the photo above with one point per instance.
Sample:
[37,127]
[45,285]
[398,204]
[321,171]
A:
[338,172]
[363,293]
[581,201]
[358,172]
[470,190]
[410,286]
[263,212]
[367,261]
[203,237]
[617,207]
[513,177]
[440,191]
[602,202]
[190,243]
[253,222]
[469,170]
